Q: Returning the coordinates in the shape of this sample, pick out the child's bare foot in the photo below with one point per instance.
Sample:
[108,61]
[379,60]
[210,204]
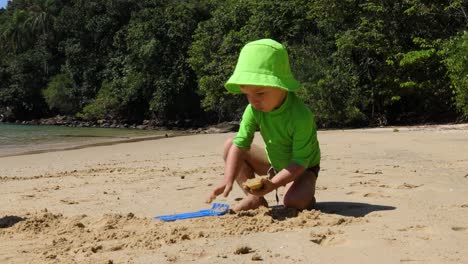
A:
[250,202]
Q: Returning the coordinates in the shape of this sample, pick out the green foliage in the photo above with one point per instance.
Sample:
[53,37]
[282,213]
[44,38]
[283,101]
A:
[416,56]
[217,43]
[394,60]
[213,56]
[360,62]
[86,41]
[102,106]
[22,80]
[61,94]
[150,62]
[14,35]
[456,61]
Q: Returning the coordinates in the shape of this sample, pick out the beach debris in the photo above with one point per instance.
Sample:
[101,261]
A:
[243,250]
[459,228]
[95,249]
[79,224]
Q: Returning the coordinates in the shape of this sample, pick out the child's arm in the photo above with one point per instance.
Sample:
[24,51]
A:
[236,154]
[287,175]
[233,159]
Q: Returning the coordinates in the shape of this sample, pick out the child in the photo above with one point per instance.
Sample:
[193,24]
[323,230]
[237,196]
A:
[291,156]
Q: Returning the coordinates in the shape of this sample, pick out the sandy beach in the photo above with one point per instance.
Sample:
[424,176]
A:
[385,195]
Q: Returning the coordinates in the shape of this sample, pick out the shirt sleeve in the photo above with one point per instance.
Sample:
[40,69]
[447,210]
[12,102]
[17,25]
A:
[247,129]
[306,151]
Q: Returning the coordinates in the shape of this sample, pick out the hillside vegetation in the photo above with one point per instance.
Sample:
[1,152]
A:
[361,63]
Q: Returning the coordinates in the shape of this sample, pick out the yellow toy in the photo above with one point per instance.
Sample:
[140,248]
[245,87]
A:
[254,184]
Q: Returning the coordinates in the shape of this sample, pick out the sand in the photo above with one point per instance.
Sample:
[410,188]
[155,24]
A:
[385,195]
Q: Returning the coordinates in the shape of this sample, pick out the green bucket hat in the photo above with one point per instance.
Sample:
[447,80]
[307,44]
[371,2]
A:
[262,62]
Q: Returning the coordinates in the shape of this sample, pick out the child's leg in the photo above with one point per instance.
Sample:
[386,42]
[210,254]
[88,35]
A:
[255,161]
[300,194]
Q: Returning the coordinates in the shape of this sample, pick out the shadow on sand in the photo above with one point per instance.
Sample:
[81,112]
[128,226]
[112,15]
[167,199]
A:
[350,208]
[10,220]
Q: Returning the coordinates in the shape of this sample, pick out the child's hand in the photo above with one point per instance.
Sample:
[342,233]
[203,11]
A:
[267,187]
[223,188]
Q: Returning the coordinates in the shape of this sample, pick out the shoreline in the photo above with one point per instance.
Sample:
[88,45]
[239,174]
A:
[191,126]
[75,146]
[95,139]
[212,130]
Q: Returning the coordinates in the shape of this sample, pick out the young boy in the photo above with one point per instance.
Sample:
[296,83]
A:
[292,155]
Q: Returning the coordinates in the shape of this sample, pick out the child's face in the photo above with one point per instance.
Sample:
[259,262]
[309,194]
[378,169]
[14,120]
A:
[264,98]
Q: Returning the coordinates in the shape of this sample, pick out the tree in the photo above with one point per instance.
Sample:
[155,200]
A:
[148,75]
[456,50]
[61,94]
[21,93]
[13,33]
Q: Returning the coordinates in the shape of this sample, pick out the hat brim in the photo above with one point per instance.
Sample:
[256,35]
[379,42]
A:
[258,79]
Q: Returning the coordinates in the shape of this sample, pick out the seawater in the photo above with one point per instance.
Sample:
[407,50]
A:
[17,139]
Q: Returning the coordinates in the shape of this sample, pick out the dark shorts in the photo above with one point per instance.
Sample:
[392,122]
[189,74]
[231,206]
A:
[315,170]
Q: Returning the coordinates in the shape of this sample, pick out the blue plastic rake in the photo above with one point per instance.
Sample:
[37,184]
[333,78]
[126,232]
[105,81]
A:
[215,210]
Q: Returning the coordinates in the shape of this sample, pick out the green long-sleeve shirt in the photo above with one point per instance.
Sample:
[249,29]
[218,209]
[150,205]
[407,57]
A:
[289,133]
